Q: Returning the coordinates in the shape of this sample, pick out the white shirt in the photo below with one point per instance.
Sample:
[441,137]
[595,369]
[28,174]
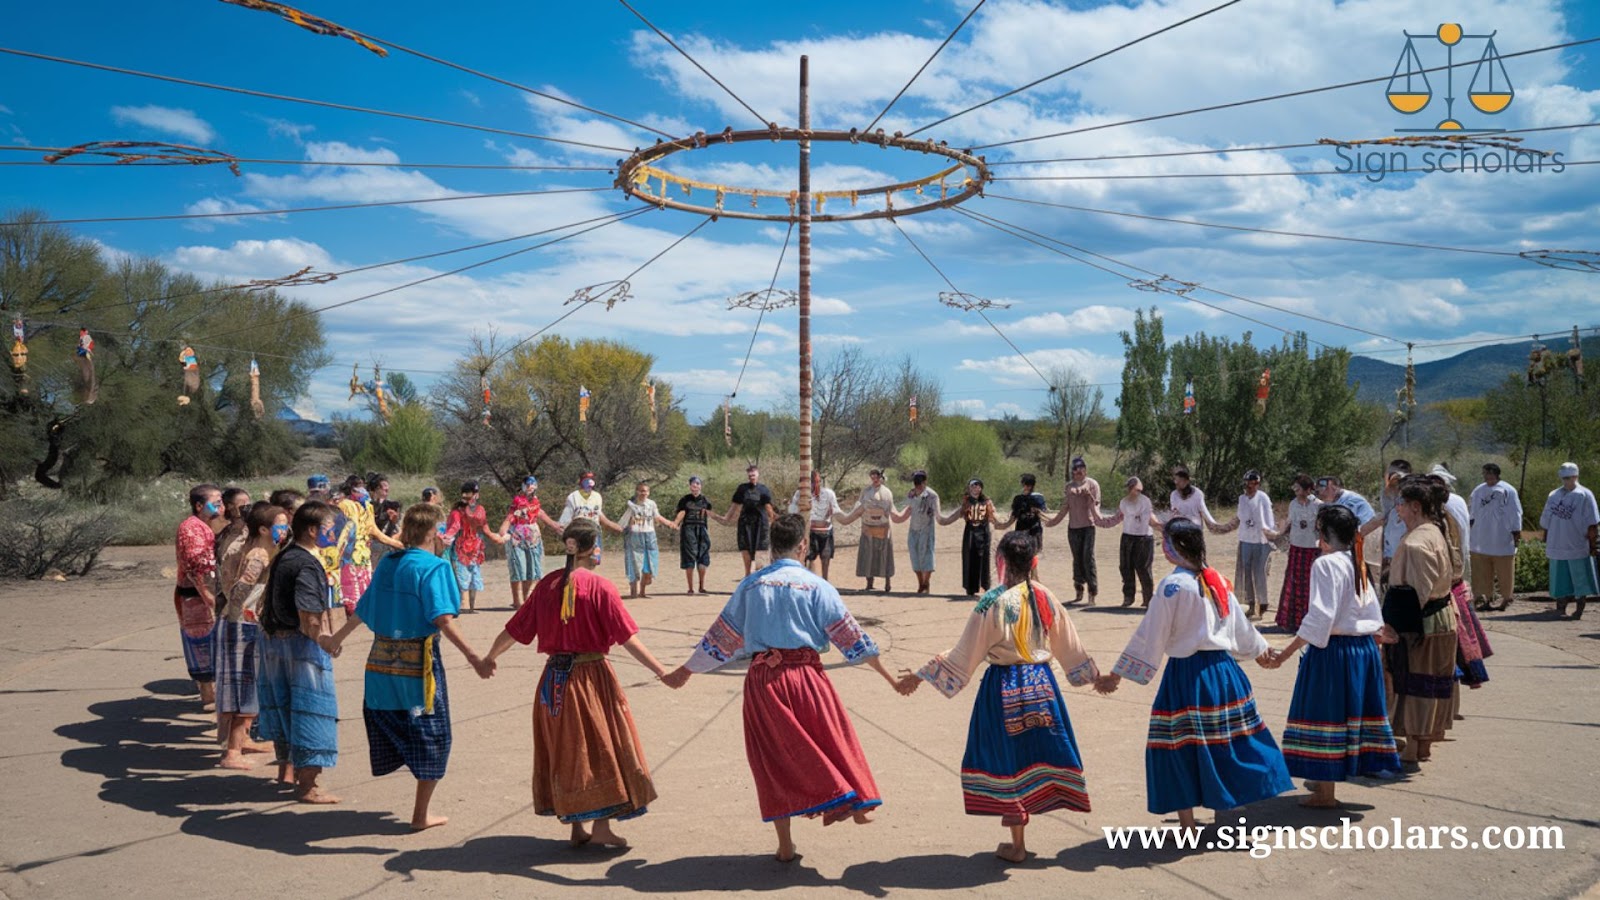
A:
[1303,522]
[640,517]
[924,509]
[581,506]
[1255,518]
[1134,515]
[1566,519]
[1495,512]
[824,506]
[1334,607]
[1193,508]
[1457,508]
[1181,622]
[1394,529]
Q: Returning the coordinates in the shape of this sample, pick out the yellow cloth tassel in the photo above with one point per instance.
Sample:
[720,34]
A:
[1024,625]
[569,600]
[429,647]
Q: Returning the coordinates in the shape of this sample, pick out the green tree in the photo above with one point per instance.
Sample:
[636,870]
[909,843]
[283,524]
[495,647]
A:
[1464,421]
[534,426]
[960,449]
[140,314]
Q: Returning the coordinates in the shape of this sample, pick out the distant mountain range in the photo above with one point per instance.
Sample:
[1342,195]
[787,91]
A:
[316,433]
[1469,374]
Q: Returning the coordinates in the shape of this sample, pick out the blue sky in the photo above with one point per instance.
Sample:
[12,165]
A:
[871,287]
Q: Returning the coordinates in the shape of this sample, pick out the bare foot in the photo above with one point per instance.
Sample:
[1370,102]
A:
[862,818]
[234,761]
[786,853]
[1314,802]
[1011,853]
[609,838]
[253,747]
[316,796]
[579,837]
[429,822]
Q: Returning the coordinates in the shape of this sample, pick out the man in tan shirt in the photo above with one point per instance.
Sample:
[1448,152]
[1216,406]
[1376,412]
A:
[1081,507]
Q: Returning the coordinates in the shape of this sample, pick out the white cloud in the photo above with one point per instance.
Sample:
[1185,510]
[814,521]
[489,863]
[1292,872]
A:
[181,123]
[214,205]
[294,131]
[1095,319]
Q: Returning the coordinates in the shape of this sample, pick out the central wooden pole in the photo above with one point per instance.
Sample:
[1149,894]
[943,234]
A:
[804,201]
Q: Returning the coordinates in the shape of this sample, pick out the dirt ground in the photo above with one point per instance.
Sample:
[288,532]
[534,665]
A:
[108,770]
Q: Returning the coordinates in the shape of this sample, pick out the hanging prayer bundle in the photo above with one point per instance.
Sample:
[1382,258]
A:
[377,392]
[257,408]
[911,410]
[727,421]
[19,356]
[1188,395]
[356,387]
[533,409]
[650,398]
[1575,355]
[191,375]
[1263,388]
[488,398]
[88,384]
[313,24]
[583,403]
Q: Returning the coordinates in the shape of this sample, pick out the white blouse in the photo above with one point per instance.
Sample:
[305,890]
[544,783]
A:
[1135,516]
[1183,621]
[1334,607]
[640,518]
[1303,522]
[1255,517]
[1193,508]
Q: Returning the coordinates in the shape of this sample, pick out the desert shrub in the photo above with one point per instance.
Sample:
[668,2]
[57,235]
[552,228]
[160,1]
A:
[960,449]
[1532,568]
[39,535]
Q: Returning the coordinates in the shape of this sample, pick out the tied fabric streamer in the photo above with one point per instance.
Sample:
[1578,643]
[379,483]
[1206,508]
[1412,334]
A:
[1575,355]
[313,24]
[356,387]
[377,392]
[257,408]
[1188,397]
[1263,388]
[488,397]
[191,375]
[911,410]
[650,397]
[88,385]
[583,403]
[19,356]
[727,421]
[533,409]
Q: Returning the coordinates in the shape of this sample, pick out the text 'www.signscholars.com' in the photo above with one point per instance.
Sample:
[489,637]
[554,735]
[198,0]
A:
[1263,840]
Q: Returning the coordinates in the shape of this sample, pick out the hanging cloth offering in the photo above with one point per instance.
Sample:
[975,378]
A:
[727,421]
[1188,395]
[311,23]
[488,398]
[1263,388]
[1575,355]
[377,391]
[19,356]
[911,410]
[583,403]
[191,375]
[257,408]
[88,385]
[650,397]
[533,409]
[356,387]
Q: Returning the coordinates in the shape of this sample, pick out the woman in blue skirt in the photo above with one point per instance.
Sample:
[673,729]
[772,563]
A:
[1207,746]
[1021,755]
[1339,717]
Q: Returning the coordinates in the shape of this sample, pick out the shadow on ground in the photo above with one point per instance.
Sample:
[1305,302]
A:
[531,858]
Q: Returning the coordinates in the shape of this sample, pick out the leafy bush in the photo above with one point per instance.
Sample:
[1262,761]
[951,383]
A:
[409,442]
[38,535]
[1533,568]
[960,449]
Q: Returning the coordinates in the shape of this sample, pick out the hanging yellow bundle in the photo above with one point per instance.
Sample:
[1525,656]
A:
[191,375]
[727,421]
[650,398]
[88,384]
[533,410]
[19,356]
[257,408]
[356,387]
[583,404]
[377,392]
[911,410]
[1575,355]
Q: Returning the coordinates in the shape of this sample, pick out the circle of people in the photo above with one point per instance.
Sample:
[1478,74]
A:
[1384,655]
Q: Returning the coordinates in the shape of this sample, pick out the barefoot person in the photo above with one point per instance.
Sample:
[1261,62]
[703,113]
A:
[411,601]
[1304,548]
[875,553]
[977,512]
[824,506]
[1207,745]
[588,764]
[299,709]
[519,531]
[798,738]
[1496,521]
[244,584]
[640,549]
[922,513]
[1136,553]
[1338,718]
[1080,509]
[1570,519]
[1021,757]
[753,500]
[194,599]
[464,532]
[694,537]
[1257,530]
[1420,608]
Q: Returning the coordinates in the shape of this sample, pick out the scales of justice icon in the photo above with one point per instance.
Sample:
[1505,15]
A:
[1409,91]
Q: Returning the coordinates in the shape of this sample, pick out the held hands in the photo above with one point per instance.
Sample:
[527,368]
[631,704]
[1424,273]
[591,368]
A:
[1269,659]
[484,667]
[329,645]
[677,678]
[907,684]
[1387,635]
[1107,684]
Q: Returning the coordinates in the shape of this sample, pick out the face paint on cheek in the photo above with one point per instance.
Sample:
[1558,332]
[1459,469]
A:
[279,533]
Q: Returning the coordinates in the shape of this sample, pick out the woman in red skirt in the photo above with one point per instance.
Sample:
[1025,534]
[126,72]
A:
[801,746]
[588,765]
[1301,526]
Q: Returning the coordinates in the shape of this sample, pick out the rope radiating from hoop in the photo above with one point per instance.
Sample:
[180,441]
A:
[763,314]
[695,62]
[926,63]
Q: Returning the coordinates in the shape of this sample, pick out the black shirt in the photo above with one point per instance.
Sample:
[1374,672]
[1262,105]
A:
[1025,511]
[296,583]
[694,509]
[752,497]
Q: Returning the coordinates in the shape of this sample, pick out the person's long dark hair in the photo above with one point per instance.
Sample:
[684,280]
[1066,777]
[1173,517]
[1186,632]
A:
[583,533]
[1187,490]
[1338,528]
[1188,541]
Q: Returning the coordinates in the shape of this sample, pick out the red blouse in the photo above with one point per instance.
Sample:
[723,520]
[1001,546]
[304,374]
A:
[599,623]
